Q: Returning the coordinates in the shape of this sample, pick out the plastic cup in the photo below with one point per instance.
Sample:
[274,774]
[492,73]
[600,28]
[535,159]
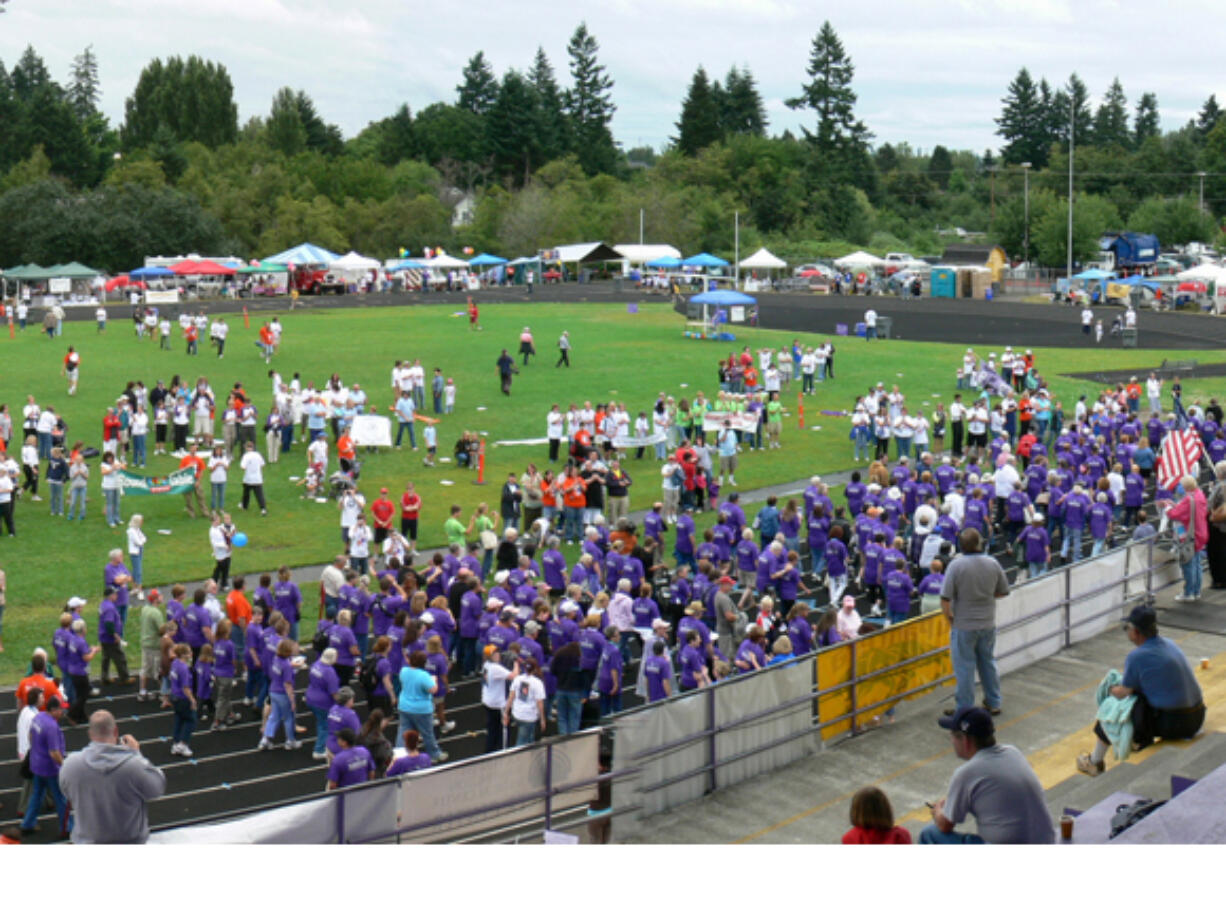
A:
[1066,827]
[1204,664]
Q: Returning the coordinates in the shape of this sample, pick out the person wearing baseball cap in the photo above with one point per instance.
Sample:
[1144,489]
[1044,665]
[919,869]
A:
[1167,700]
[995,785]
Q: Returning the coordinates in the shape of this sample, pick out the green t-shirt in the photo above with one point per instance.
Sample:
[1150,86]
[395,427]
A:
[683,419]
[454,530]
[150,621]
[774,411]
[483,524]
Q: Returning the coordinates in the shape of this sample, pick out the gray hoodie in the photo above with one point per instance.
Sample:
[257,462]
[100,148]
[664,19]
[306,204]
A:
[108,785]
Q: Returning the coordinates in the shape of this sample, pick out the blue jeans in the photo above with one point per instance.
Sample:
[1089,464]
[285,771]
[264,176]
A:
[571,523]
[525,732]
[970,650]
[570,710]
[44,445]
[281,715]
[861,447]
[487,562]
[610,703]
[252,688]
[37,792]
[687,559]
[217,495]
[406,426]
[137,561]
[904,446]
[932,835]
[1192,573]
[424,724]
[1036,568]
[1099,545]
[185,721]
[57,497]
[1073,536]
[112,507]
[321,728]
[467,654]
[138,449]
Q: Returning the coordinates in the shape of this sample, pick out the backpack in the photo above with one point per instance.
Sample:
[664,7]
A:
[368,677]
[320,641]
[1128,814]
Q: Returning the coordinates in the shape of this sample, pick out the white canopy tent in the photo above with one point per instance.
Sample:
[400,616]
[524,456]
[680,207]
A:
[638,254]
[443,261]
[353,262]
[1205,272]
[859,260]
[763,259]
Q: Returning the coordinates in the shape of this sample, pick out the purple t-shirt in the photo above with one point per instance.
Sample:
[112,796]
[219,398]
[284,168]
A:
[341,639]
[180,680]
[656,670]
[1035,538]
[253,643]
[351,767]
[46,738]
[898,593]
[612,662]
[287,599]
[322,683]
[555,569]
[407,764]
[204,680]
[108,618]
[282,673]
[836,558]
[108,579]
[436,664]
[340,717]
[1100,520]
[75,653]
[224,652]
[692,662]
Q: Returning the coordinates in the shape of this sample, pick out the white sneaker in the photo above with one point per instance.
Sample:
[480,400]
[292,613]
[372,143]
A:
[292,745]
[184,750]
[264,744]
[442,757]
[450,726]
[319,755]
[174,748]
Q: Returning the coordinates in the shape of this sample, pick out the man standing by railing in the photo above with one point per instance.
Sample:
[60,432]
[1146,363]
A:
[973,583]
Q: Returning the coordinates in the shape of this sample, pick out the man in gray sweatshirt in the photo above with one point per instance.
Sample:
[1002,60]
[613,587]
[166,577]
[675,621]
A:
[108,784]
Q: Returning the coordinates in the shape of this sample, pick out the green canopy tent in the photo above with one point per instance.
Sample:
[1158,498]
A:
[262,268]
[73,270]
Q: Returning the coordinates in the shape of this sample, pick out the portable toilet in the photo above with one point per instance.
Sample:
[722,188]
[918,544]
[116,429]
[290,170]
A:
[944,282]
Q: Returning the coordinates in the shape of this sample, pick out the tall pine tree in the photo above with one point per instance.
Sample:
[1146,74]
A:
[588,105]
[1073,101]
[551,127]
[841,140]
[1022,123]
[741,108]
[699,125]
[1146,123]
[479,88]
[1111,119]
[510,129]
[83,91]
[1205,121]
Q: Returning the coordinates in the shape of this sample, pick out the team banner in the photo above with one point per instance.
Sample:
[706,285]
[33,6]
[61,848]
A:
[745,422]
[178,482]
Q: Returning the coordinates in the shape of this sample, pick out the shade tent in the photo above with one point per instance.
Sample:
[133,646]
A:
[30,272]
[487,259]
[73,270]
[763,259]
[443,261]
[150,272]
[595,252]
[1094,275]
[705,260]
[644,254]
[723,298]
[201,268]
[353,262]
[859,260]
[665,262]
[1205,272]
[262,268]
[303,255]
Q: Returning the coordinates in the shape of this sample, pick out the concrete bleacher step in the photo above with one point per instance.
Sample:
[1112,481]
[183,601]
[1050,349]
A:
[1151,777]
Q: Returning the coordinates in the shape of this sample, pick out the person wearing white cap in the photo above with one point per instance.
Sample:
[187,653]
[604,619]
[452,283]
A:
[1037,546]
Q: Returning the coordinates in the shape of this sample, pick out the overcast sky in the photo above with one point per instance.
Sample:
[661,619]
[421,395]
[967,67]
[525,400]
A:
[926,72]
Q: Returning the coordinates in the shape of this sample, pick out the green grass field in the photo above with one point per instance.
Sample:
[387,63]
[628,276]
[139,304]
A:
[627,357]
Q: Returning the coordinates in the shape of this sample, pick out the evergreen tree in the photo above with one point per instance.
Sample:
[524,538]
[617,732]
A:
[29,75]
[397,137]
[510,129]
[551,128]
[841,140]
[940,167]
[9,112]
[886,158]
[741,108]
[1111,119]
[193,99]
[1206,120]
[1073,100]
[1051,122]
[320,136]
[479,88]
[83,91]
[284,128]
[1023,122]
[699,125]
[588,105]
[1146,123]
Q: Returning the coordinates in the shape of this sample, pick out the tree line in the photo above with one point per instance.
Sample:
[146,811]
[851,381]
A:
[535,155]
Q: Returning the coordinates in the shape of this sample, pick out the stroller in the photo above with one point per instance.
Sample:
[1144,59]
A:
[340,483]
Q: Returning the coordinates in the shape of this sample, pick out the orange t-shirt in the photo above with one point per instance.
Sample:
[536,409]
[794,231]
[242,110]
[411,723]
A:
[195,462]
[573,492]
[344,447]
[238,609]
[49,687]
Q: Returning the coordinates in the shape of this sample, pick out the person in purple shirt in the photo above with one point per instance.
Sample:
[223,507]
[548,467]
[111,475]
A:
[342,639]
[110,638]
[787,581]
[46,756]
[197,624]
[341,716]
[609,679]
[322,687]
[768,563]
[645,609]
[351,765]
[836,564]
[183,699]
[1134,494]
[799,630]
[898,589]
[281,695]
[262,594]
[751,655]
[287,599]
[471,610]
[1101,518]
[387,604]
[721,537]
[683,551]
[1037,546]
[693,663]
[658,673]
[554,567]
[592,645]
[117,576]
[583,575]
[413,760]
[1076,506]
[225,654]
[437,665]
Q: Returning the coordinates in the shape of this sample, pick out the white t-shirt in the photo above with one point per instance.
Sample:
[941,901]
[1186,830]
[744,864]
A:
[252,465]
[526,690]
[553,425]
[351,509]
[139,425]
[494,679]
[217,469]
[870,318]
[217,538]
[136,540]
[359,540]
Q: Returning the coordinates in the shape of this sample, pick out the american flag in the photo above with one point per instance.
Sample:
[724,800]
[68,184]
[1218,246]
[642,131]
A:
[1181,452]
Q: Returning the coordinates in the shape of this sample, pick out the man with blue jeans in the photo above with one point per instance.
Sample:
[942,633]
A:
[973,583]
[416,704]
[46,755]
[406,412]
[995,785]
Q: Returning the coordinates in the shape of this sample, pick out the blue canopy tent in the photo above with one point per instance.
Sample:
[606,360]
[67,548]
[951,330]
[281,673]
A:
[487,259]
[665,262]
[150,272]
[700,321]
[303,255]
[1093,275]
[704,260]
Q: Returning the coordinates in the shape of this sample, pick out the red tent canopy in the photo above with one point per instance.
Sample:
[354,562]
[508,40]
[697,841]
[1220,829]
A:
[117,282]
[201,267]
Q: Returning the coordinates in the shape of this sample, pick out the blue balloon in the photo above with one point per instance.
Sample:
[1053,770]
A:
[239,540]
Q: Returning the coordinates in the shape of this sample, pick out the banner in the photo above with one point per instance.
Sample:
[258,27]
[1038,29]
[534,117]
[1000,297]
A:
[625,443]
[893,645]
[371,430]
[746,422]
[59,286]
[179,481]
[162,297]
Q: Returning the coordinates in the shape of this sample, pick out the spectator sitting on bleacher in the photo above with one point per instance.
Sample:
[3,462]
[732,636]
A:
[996,785]
[872,820]
[1169,704]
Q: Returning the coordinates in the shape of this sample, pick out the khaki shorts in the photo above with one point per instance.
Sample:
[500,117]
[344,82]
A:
[727,465]
[203,425]
[150,663]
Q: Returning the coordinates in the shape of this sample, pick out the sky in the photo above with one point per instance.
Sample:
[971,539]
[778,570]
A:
[927,73]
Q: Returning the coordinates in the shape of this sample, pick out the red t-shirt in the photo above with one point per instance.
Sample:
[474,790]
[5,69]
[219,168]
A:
[110,427]
[863,836]
[383,510]
[410,504]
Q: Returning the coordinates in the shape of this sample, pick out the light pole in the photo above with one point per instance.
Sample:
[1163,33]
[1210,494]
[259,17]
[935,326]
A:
[1201,175]
[1072,117]
[1026,229]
